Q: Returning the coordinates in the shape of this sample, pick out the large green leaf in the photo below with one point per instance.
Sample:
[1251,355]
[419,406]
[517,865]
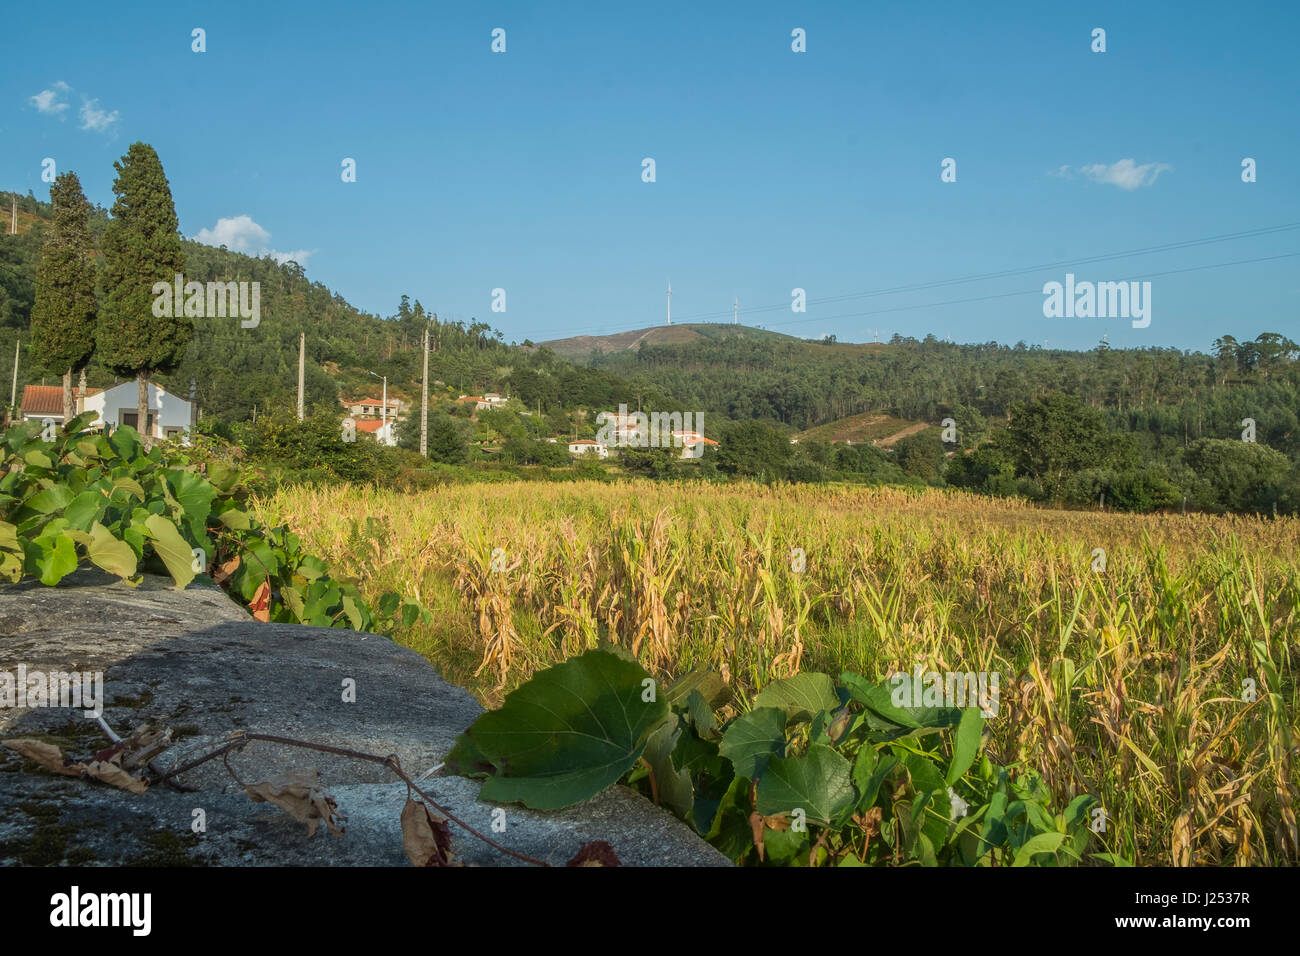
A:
[672,786]
[966,744]
[1043,843]
[174,550]
[222,475]
[924,772]
[800,696]
[709,685]
[751,740]
[565,735]
[879,699]
[54,555]
[819,783]
[194,495]
[869,772]
[85,509]
[51,499]
[107,552]
[729,830]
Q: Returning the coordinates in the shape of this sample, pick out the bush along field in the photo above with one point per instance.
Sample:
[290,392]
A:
[814,773]
[85,498]
[1146,661]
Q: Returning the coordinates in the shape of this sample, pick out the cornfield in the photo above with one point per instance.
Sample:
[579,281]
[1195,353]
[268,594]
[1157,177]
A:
[1146,660]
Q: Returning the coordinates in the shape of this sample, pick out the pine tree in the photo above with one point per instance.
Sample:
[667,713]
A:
[142,246]
[63,314]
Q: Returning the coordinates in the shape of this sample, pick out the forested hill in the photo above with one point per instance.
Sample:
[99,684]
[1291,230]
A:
[1171,395]
[237,369]
[583,347]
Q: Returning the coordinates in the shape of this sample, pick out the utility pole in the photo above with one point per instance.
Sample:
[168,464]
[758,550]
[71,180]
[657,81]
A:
[302,351]
[424,399]
[13,392]
[735,311]
[383,411]
[670,302]
[13,222]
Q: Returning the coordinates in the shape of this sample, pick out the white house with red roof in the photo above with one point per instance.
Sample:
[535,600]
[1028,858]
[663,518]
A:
[383,432]
[372,407]
[586,446]
[167,415]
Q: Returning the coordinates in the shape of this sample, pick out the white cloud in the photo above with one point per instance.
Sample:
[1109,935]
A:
[93,118]
[1126,174]
[47,101]
[299,256]
[242,234]
[239,233]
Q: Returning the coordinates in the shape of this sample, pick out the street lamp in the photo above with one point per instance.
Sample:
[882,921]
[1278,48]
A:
[383,412]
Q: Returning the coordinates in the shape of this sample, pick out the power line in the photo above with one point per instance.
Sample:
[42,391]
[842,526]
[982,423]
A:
[1008,295]
[1006,273]
[980,277]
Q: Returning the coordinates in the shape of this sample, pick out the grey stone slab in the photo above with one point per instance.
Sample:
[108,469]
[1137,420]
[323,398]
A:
[196,662]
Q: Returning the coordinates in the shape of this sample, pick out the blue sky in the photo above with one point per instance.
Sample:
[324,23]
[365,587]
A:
[774,169]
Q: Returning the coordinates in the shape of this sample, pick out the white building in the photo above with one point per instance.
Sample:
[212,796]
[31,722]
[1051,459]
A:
[167,414]
[372,407]
[585,446]
[486,402]
[383,432]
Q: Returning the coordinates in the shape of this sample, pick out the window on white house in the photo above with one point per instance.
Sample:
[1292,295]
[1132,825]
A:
[132,418]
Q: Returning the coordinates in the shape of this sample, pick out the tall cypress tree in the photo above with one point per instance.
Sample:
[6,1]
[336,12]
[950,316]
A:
[142,246]
[63,314]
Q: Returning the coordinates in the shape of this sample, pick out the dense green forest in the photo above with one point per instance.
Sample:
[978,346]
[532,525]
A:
[1164,398]
[1167,392]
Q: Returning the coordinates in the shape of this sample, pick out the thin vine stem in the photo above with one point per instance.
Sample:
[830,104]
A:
[241,738]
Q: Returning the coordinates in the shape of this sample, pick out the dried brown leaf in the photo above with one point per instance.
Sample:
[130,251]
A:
[298,793]
[426,838]
[595,853]
[222,572]
[111,772]
[756,827]
[47,755]
[261,603]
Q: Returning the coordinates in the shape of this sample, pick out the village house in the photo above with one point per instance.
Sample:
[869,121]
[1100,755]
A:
[383,432]
[692,443]
[586,446]
[168,415]
[485,402]
[372,407]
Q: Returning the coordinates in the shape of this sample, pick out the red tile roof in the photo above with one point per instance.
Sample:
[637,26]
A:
[370,425]
[392,402]
[48,399]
